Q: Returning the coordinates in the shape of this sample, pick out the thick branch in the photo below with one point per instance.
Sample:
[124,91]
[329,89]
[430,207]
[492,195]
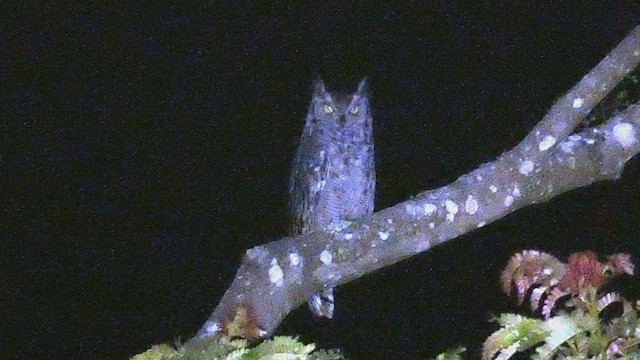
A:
[277,277]
[567,112]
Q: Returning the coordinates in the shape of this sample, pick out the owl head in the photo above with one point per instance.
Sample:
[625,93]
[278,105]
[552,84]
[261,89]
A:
[346,116]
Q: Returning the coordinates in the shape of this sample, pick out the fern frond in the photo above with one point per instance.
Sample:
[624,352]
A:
[583,270]
[607,300]
[518,333]
[536,295]
[551,300]
[620,264]
[528,268]
[238,354]
[283,345]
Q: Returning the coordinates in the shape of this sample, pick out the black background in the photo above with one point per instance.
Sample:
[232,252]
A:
[144,148]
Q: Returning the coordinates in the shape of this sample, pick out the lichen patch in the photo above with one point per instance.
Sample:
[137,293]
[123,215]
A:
[471,205]
[276,275]
[625,135]
[326,257]
[546,143]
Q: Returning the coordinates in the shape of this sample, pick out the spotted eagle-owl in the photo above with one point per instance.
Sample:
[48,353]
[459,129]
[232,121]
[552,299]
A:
[333,175]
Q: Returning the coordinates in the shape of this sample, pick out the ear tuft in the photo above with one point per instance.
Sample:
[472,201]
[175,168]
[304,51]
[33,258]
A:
[318,87]
[363,87]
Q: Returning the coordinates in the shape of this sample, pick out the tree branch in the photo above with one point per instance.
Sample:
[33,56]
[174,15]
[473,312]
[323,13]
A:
[277,277]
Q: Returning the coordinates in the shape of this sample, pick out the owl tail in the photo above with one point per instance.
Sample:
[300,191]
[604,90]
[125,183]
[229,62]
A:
[321,304]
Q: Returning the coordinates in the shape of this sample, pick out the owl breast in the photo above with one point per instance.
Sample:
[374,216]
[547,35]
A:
[349,189]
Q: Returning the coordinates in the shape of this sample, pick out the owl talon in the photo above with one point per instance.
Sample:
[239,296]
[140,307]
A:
[322,304]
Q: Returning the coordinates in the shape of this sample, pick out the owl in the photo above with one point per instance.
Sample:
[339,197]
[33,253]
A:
[333,172]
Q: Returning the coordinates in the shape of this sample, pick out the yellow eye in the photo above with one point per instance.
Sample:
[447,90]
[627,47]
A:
[327,109]
[354,110]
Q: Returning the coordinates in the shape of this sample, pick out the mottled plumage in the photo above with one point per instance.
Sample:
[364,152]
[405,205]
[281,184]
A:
[333,174]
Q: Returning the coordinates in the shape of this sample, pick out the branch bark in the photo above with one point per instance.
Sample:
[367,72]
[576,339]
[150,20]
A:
[277,277]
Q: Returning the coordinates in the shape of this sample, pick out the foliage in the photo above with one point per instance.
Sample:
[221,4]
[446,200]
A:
[453,354]
[279,348]
[157,352]
[569,297]
[573,324]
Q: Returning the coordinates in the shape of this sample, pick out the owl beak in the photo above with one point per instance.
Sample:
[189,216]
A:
[343,119]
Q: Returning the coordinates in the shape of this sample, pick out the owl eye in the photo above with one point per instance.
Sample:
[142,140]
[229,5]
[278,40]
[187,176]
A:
[328,109]
[354,110]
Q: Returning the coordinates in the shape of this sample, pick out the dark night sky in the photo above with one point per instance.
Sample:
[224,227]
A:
[145,148]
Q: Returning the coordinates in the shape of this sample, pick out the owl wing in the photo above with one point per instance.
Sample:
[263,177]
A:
[308,180]
[309,177]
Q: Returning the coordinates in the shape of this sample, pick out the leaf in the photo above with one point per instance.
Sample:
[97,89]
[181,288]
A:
[561,329]
[518,333]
